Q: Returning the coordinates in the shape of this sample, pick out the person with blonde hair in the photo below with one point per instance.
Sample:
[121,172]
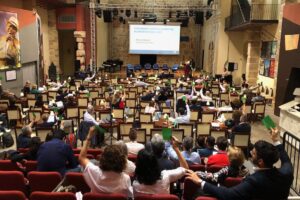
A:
[235,169]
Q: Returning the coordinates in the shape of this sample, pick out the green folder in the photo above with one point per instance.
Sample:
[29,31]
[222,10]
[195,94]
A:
[55,109]
[167,134]
[184,98]
[268,122]
[33,114]
[244,98]
[88,95]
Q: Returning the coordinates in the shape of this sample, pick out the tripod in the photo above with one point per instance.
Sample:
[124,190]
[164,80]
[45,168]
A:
[111,126]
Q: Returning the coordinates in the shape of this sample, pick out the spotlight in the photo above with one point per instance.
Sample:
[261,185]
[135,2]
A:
[115,12]
[128,13]
[135,14]
[99,13]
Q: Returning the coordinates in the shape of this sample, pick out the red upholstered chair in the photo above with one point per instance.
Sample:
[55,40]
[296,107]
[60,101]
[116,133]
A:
[43,181]
[89,156]
[12,195]
[23,150]
[94,152]
[77,179]
[206,198]
[132,157]
[189,189]
[197,167]
[156,197]
[102,196]
[232,181]
[214,168]
[30,165]
[52,196]
[12,180]
[7,165]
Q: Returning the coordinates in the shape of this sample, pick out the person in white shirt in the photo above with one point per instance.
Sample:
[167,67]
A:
[182,118]
[225,108]
[109,176]
[140,83]
[133,146]
[150,108]
[88,115]
[90,78]
[205,97]
[150,179]
[130,166]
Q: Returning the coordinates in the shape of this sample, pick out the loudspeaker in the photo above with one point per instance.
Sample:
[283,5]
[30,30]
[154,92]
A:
[199,18]
[107,16]
[231,66]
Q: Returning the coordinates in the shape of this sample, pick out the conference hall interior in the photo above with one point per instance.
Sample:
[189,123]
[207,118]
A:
[149,99]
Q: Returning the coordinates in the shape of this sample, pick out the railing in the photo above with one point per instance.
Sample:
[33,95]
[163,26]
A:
[291,144]
[241,14]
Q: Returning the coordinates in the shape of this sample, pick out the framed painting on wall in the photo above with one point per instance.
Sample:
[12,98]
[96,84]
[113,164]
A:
[11,75]
[9,41]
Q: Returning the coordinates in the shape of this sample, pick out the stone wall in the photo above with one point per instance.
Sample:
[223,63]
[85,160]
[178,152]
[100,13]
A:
[53,40]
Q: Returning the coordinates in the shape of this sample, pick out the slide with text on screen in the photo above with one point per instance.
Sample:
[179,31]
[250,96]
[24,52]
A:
[154,39]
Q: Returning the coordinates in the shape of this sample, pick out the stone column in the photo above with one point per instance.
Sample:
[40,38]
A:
[80,53]
[252,66]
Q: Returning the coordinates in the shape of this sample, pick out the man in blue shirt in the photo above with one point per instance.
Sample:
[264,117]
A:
[55,155]
[191,157]
[24,139]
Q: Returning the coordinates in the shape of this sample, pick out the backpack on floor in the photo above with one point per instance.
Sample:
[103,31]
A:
[8,140]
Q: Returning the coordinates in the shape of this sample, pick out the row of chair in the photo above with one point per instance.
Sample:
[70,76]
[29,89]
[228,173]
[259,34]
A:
[17,195]
[47,181]
[155,66]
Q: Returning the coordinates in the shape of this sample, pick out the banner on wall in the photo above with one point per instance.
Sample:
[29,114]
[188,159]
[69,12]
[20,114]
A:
[9,41]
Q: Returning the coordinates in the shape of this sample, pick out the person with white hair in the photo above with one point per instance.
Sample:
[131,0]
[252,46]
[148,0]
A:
[89,115]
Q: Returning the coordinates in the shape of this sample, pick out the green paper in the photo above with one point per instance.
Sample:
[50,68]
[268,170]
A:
[184,98]
[55,110]
[193,83]
[99,129]
[167,134]
[244,98]
[33,114]
[268,122]
[88,94]
[60,118]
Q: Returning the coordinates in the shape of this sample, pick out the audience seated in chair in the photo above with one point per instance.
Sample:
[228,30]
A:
[209,147]
[130,166]
[108,177]
[235,169]
[31,154]
[133,146]
[150,179]
[24,139]
[267,182]
[191,157]
[56,155]
[221,157]
[243,126]
[157,146]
